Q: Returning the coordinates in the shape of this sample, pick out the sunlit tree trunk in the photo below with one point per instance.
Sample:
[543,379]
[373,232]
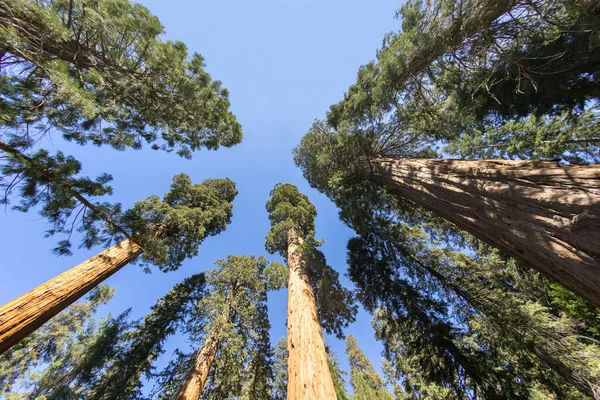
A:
[539,212]
[308,369]
[196,379]
[28,312]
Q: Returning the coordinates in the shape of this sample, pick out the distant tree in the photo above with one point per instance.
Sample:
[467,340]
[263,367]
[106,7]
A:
[163,233]
[280,370]
[233,322]
[338,379]
[315,297]
[365,381]
[143,344]
[47,344]
[74,372]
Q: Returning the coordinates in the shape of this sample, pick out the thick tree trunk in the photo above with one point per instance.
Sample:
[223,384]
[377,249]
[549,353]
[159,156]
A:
[25,314]
[194,383]
[308,370]
[539,212]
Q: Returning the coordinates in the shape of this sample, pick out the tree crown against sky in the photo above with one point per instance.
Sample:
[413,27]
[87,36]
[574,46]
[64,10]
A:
[98,72]
[487,143]
[291,211]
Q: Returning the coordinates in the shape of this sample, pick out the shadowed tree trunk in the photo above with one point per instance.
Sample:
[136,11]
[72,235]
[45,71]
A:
[28,312]
[544,214]
[196,378]
[308,368]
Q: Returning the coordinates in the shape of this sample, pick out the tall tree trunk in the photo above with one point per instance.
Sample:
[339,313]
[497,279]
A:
[308,368]
[194,383]
[539,212]
[28,312]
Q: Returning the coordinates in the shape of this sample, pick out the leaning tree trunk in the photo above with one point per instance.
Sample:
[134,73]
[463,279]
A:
[308,368]
[25,314]
[196,379]
[539,212]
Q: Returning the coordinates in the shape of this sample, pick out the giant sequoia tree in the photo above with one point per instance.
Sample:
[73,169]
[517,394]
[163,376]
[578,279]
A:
[391,123]
[232,323]
[162,232]
[316,299]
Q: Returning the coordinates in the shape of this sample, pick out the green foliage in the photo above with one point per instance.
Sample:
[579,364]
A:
[98,73]
[338,379]
[366,382]
[53,183]
[72,374]
[570,136]
[291,213]
[170,230]
[143,344]
[586,315]
[476,59]
[234,310]
[465,321]
[276,276]
[47,346]
[280,370]
[288,210]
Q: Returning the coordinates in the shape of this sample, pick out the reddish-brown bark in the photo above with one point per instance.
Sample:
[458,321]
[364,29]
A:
[539,212]
[196,379]
[308,368]
[28,312]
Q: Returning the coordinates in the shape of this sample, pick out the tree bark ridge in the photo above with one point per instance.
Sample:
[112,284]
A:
[28,312]
[308,368]
[544,214]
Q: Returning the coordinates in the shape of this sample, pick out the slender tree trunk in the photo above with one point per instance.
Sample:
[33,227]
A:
[28,312]
[194,383]
[308,369]
[539,212]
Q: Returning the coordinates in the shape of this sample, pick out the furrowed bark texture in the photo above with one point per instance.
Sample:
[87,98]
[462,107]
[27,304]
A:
[194,383]
[28,312]
[539,212]
[308,369]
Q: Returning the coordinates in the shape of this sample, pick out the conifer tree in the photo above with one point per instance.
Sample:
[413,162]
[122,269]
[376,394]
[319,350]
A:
[75,371]
[46,345]
[457,320]
[387,131]
[233,324]
[144,344]
[316,299]
[366,382]
[163,233]
[98,73]
[338,379]
[280,370]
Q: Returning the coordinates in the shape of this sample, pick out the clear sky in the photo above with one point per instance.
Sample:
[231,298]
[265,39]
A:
[284,63]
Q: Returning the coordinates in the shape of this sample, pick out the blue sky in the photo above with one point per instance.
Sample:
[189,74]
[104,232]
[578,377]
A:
[284,62]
